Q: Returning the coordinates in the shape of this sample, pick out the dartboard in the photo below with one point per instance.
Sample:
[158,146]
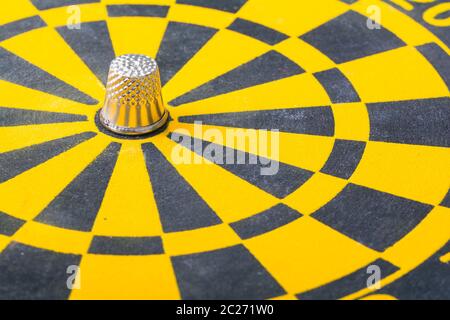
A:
[357,92]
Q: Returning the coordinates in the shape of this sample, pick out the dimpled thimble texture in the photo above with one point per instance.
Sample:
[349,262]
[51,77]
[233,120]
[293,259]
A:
[133,103]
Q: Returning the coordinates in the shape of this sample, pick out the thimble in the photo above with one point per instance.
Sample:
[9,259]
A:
[133,103]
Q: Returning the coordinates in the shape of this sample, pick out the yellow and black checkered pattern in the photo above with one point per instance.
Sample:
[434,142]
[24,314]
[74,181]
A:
[364,168]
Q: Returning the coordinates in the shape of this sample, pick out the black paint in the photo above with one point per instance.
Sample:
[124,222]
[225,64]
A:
[76,207]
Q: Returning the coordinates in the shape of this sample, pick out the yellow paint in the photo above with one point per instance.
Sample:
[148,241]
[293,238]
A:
[201,16]
[224,192]
[52,238]
[30,192]
[137,35]
[316,192]
[305,151]
[293,92]
[64,64]
[15,96]
[292,17]
[62,16]
[306,254]
[351,121]
[18,137]
[16,10]
[4,242]
[128,208]
[401,24]
[429,236]
[445,258]
[305,55]
[211,62]
[126,277]
[420,173]
[200,240]
[394,75]
[302,255]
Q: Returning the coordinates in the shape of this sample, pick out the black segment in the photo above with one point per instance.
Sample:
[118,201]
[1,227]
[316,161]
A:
[76,207]
[9,225]
[92,43]
[421,122]
[349,1]
[344,158]
[315,121]
[19,117]
[180,43]
[277,178]
[131,246]
[338,87]
[446,201]
[350,283]
[29,273]
[438,58]
[232,6]
[15,28]
[429,281]
[230,273]
[266,221]
[266,68]
[373,218]
[16,70]
[347,38]
[257,31]
[15,162]
[137,11]
[180,207]
[50,4]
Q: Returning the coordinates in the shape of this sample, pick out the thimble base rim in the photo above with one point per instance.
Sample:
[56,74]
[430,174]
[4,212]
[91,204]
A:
[127,131]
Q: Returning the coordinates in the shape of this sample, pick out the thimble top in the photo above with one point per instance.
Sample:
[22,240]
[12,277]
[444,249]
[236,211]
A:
[133,66]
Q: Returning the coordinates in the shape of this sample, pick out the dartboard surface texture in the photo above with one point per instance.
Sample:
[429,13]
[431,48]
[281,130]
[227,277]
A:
[363,114]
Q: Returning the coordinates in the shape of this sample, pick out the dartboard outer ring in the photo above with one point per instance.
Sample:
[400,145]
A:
[363,113]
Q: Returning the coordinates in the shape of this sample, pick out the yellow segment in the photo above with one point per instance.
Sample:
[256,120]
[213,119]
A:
[200,240]
[429,236]
[305,151]
[227,194]
[65,15]
[14,138]
[299,252]
[415,172]
[394,75]
[126,277]
[137,35]
[15,96]
[4,242]
[351,121]
[30,192]
[128,208]
[155,2]
[294,92]
[64,63]
[199,15]
[317,191]
[308,57]
[292,17]
[225,51]
[16,10]
[52,238]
